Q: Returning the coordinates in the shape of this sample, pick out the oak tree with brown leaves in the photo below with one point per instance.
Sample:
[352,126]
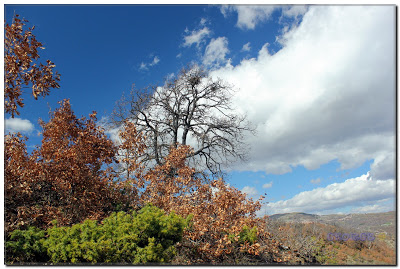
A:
[22,68]
[224,227]
[65,178]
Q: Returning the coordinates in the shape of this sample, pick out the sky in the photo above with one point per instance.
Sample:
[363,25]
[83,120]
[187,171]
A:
[317,82]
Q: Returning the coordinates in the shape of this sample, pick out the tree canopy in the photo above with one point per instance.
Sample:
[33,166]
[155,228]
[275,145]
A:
[192,109]
[22,68]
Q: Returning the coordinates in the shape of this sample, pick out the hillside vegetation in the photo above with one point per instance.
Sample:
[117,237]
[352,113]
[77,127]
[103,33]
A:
[369,222]
[306,235]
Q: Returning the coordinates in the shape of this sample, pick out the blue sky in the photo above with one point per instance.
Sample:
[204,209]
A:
[318,82]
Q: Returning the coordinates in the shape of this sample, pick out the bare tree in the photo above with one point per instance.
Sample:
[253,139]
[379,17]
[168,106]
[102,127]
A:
[193,109]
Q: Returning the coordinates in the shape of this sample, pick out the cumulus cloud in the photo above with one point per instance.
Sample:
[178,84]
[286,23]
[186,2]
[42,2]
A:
[14,125]
[216,52]
[354,191]
[145,66]
[246,47]
[328,94]
[250,191]
[112,132]
[267,185]
[294,11]
[291,16]
[249,15]
[195,37]
[384,167]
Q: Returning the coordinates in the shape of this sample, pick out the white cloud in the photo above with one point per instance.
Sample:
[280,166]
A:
[315,181]
[156,60]
[249,15]
[375,208]
[145,66]
[250,191]
[14,125]
[216,52]
[203,21]
[328,94]
[196,37]
[246,47]
[290,18]
[267,185]
[225,9]
[109,129]
[352,192]
[294,11]
[384,167]
[114,135]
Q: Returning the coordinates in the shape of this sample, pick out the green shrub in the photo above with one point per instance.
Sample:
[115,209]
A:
[245,235]
[26,246]
[249,235]
[148,236]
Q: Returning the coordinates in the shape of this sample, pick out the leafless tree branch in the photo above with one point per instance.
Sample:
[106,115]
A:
[192,109]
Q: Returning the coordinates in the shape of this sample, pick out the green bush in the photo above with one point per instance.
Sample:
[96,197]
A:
[246,235]
[26,246]
[249,235]
[147,236]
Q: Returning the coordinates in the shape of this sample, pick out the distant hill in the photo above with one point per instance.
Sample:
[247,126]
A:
[296,217]
[369,222]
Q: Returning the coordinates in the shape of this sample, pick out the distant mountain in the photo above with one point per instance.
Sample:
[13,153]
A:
[369,222]
[296,217]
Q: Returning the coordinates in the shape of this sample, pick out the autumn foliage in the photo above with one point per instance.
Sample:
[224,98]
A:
[21,66]
[68,179]
[64,178]
[224,225]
